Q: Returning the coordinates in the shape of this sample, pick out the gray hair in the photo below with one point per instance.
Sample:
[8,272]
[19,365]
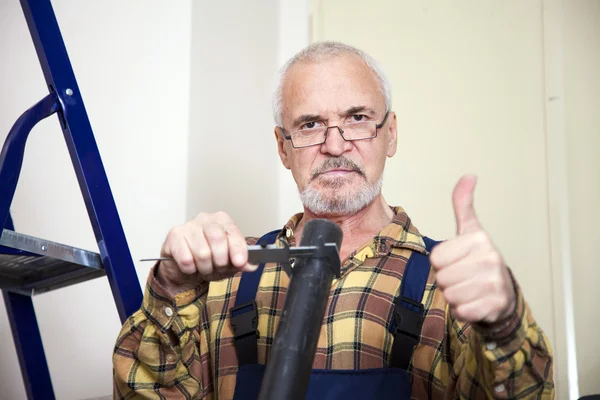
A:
[318,52]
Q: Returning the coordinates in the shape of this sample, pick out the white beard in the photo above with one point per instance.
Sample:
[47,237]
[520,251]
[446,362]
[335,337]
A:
[340,202]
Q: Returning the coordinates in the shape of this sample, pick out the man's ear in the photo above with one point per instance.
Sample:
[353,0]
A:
[393,135]
[281,147]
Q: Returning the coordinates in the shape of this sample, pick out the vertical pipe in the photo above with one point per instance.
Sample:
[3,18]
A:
[288,371]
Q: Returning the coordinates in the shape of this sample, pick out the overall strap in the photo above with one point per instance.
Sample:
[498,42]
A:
[408,310]
[244,315]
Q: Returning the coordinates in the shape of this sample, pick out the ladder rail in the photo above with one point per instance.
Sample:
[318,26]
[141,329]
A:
[65,100]
[28,341]
[85,155]
[13,150]
[29,346]
[19,306]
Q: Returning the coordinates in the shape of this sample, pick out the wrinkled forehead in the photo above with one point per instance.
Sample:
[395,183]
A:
[329,87]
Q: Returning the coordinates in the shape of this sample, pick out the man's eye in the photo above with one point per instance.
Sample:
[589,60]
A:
[310,125]
[358,117]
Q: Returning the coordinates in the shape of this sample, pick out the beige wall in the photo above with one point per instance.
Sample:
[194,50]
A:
[478,87]
[468,95]
[582,122]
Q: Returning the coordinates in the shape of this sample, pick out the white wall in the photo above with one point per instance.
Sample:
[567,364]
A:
[132,62]
[294,34]
[232,151]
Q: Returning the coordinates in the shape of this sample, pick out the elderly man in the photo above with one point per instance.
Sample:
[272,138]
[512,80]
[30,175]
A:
[475,337]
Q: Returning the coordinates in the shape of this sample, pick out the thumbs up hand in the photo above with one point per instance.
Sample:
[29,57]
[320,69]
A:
[469,269]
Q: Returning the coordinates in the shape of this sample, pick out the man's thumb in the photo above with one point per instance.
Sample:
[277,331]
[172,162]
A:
[462,199]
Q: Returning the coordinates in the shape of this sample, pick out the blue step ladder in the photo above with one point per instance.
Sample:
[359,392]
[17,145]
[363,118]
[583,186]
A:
[30,265]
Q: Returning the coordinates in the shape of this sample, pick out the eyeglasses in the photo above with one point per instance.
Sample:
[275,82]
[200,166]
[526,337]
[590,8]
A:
[351,131]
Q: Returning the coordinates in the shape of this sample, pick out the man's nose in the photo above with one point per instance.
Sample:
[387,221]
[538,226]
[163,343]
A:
[334,143]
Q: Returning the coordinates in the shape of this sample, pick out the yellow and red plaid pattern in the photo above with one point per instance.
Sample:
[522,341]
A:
[182,347]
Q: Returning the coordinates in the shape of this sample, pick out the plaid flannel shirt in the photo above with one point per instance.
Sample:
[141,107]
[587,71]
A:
[452,359]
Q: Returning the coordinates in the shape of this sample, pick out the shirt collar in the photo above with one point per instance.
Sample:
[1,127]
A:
[400,233]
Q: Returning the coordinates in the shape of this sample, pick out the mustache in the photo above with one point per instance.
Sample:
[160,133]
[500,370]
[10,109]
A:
[334,163]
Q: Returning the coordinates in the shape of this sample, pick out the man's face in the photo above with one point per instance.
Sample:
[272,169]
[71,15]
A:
[334,92]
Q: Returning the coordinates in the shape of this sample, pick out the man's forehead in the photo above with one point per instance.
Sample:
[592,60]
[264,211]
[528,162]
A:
[333,85]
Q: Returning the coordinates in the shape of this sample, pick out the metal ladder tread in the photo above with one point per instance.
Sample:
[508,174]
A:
[30,265]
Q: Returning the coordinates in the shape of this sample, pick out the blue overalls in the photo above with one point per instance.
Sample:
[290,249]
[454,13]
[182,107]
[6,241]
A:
[378,383]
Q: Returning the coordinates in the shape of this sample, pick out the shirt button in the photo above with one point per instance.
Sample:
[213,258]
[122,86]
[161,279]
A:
[168,311]
[170,358]
[499,388]
[491,346]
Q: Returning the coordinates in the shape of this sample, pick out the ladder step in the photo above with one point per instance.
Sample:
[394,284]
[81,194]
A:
[29,265]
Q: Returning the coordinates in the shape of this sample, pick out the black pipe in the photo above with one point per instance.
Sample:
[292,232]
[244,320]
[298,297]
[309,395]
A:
[288,370]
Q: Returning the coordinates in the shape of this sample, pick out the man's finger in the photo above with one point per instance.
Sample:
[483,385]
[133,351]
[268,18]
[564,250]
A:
[217,241]
[465,291]
[456,273]
[480,310]
[198,246]
[452,250]
[462,200]
[238,249]
[182,255]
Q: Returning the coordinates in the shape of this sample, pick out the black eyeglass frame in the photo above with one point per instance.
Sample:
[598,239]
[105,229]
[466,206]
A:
[377,127]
